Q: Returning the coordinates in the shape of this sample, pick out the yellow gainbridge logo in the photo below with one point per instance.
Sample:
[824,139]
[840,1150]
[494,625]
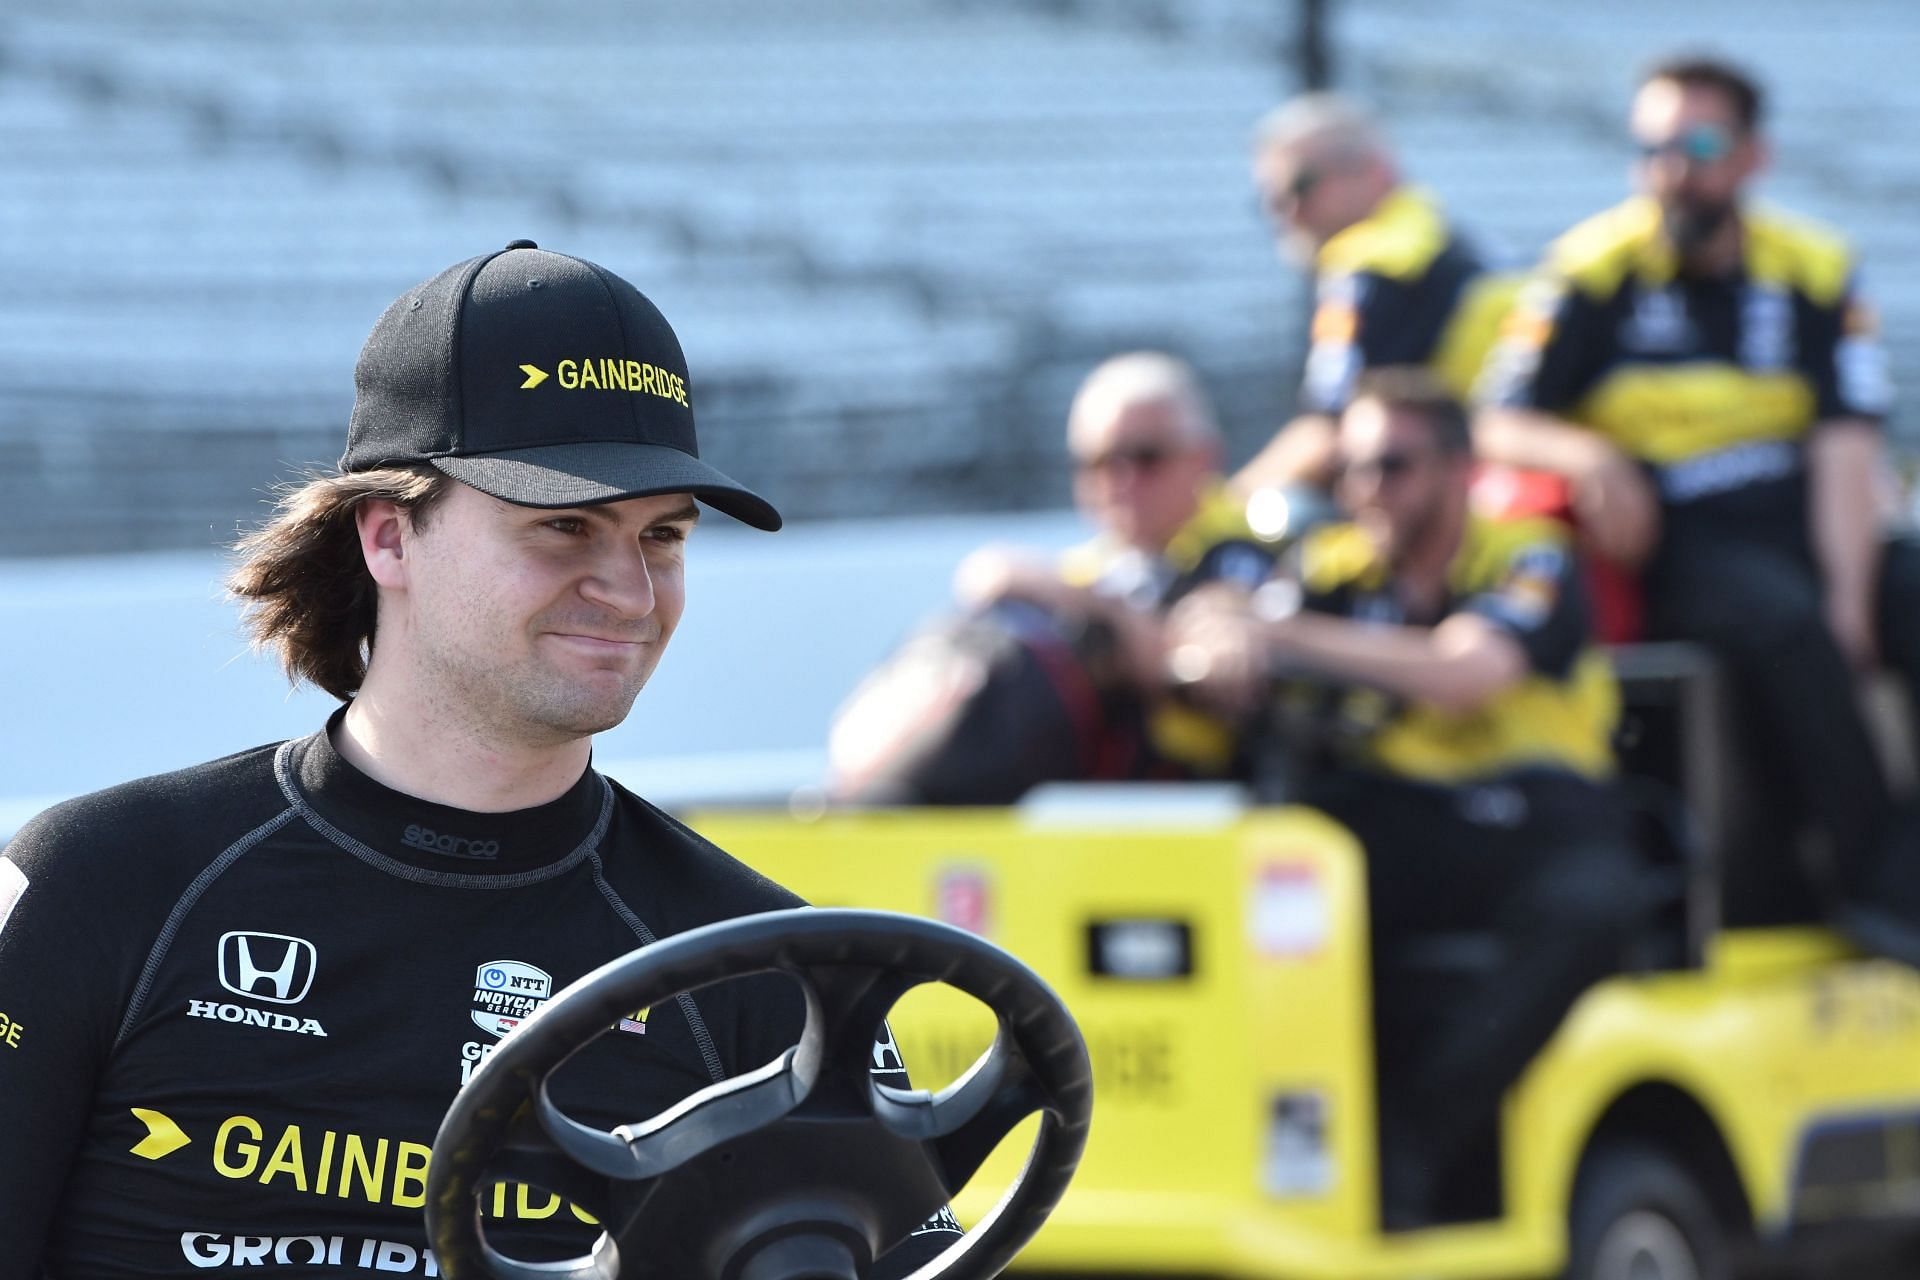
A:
[164,1137]
[608,373]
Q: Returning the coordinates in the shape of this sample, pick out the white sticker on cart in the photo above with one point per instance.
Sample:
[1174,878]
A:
[1288,913]
[13,884]
[1299,1158]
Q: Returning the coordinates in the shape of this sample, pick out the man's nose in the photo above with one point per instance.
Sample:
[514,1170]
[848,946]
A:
[1359,487]
[622,582]
[1126,480]
[1673,169]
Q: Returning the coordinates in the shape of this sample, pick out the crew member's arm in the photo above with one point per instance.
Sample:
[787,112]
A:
[1842,357]
[1551,350]
[1844,500]
[1458,665]
[1359,321]
[993,574]
[1303,453]
[1226,650]
[1533,620]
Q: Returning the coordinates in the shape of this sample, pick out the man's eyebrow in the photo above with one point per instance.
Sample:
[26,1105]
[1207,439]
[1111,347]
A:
[604,514]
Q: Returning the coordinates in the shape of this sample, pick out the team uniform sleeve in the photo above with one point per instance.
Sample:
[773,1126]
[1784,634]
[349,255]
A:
[59,1009]
[1553,347]
[1841,354]
[1540,601]
[1315,596]
[1243,562]
[1361,320]
[1350,319]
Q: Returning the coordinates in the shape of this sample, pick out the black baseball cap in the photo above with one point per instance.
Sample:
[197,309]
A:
[541,379]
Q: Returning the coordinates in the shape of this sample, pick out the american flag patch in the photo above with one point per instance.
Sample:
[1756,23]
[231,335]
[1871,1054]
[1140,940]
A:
[630,1024]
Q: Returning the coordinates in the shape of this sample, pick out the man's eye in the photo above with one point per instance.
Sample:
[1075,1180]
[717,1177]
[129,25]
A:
[668,533]
[567,525]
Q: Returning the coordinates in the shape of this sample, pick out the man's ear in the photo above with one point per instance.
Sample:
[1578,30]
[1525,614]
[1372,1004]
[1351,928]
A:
[385,534]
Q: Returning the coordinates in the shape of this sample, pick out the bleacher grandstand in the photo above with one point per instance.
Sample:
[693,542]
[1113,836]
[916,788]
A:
[891,233]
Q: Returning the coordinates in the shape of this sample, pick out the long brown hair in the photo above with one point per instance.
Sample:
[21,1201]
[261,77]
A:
[306,596]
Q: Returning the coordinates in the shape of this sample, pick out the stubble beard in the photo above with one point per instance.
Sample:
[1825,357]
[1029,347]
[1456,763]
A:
[1300,248]
[532,703]
[1691,223]
[555,709]
[1401,539]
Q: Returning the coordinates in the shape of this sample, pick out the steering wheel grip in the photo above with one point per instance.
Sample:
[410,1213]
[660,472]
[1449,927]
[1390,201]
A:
[803,1167]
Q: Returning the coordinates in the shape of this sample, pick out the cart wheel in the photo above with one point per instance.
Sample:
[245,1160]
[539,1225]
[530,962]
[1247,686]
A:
[1638,1214]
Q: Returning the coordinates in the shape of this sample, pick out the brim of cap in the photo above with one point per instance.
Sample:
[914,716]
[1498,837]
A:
[588,474]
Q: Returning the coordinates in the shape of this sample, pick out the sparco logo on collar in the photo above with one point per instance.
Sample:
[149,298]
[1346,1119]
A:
[505,992]
[267,966]
[454,846]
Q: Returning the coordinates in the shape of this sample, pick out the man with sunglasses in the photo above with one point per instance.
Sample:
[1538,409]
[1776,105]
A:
[1439,663]
[1705,375]
[1394,283]
[1146,453]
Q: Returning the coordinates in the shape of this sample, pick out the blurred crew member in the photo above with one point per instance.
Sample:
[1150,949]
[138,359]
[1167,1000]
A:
[1395,284]
[1468,726]
[1146,455]
[1705,375]
[244,994]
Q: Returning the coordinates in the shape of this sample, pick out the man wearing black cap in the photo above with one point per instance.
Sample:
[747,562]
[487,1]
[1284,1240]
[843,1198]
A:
[240,997]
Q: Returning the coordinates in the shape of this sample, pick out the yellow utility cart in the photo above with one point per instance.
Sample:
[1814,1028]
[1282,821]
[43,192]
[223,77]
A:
[1746,1086]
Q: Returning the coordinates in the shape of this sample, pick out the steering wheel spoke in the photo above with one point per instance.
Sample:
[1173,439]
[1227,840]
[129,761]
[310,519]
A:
[717,1114]
[846,1005]
[925,1114]
[964,1122]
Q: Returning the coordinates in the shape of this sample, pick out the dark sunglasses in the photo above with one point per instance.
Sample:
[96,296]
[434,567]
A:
[1702,144]
[1389,466]
[1140,457]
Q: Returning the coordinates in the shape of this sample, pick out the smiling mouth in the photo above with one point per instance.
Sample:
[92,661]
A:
[597,642]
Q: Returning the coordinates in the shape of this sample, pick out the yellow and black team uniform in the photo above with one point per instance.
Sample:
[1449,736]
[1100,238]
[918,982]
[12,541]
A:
[1715,386]
[1497,820]
[1399,287]
[1518,575]
[1164,737]
[245,994]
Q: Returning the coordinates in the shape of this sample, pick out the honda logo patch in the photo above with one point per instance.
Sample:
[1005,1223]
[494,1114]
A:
[267,966]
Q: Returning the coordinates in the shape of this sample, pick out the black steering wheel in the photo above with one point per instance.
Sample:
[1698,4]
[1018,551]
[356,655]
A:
[804,1168]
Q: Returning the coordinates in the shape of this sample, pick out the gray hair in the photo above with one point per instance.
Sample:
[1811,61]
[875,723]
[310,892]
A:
[1331,121]
[1150,377]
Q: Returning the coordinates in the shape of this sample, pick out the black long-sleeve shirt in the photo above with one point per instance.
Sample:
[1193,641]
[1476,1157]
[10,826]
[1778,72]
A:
[235,1003]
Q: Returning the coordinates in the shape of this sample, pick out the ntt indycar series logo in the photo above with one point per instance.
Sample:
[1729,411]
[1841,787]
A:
[505,994]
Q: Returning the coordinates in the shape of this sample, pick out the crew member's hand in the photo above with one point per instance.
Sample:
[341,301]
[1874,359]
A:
[1218,652]
[1617,509]
[1850,617]
[995,573]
